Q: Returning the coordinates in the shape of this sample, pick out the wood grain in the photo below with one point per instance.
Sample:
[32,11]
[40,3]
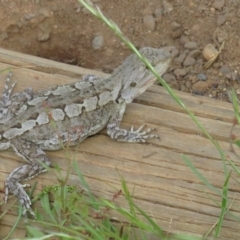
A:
[164,187]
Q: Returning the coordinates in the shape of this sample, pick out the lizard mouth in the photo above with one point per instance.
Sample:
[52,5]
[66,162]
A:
[160,68]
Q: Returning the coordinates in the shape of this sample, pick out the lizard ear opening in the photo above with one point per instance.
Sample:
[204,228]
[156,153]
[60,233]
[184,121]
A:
[133,84]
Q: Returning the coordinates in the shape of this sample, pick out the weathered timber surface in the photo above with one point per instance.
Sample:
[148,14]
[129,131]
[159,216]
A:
[164,187]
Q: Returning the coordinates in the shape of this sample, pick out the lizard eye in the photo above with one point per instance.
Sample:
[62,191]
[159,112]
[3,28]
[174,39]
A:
[133,84]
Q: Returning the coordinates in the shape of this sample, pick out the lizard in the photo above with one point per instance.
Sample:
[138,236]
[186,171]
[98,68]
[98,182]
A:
[79,110]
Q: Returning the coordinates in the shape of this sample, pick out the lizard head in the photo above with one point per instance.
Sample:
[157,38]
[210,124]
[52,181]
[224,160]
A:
[135,74]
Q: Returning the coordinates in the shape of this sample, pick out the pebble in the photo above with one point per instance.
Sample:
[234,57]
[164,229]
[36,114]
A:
[85,11]
[184,39]
[218,4]
[45,12]
[225,69]
[13,28]
[221,19]
[194,53]
[3,36]
[146,11]
[234,76]
[212,10]
[170,79]
[180,72]
[183,88]
[216,65]
[189,61]
[175,26]
[190,45]
[175,52]
[188,84]
[214,93]
[221,35]
[168,7]
[97,42]
[181,58]
[196,29]
[158,12]
[209,51]
[30,15]
[177,33]
[149,22]
[202,77]
[199,63]
[43,37]
[200,87]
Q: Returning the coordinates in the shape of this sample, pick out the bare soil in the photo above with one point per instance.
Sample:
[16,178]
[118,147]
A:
[64,31]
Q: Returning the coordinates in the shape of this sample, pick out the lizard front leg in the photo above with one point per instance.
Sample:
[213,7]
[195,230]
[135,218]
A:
[123,135]
[12,104]
[35,156]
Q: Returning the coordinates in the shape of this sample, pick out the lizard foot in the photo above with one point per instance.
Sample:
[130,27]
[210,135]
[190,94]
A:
[18,190]
[141,136]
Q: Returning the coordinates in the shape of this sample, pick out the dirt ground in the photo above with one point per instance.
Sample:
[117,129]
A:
[64,31]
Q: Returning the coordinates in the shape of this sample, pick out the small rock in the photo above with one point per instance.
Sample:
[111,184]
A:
[234,76]
[218,4]
[167,6]
[97,42]
[196,29]
[188,84]
[175,52]
[194,53]
[176,34]
[45,12]
[225,69]
[149,22]
[170,79]
[146,11]
[85,11]
[3,36]
[202,77]
[212,10]
[190,45]
[30,16]
[216,65]
[183,88]
[192,78]
[12,28]
[187,32]
[200,87]
[221,19]
[158,12]
[214,93]
[199,62]
[43,37]
[175,26]
[191,69]
[180,72]
[181,58]
[221,35]
[131,29]
[189,61]
[184,39]
[209,51]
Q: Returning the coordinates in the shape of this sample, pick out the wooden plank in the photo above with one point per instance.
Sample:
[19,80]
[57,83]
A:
[164,186]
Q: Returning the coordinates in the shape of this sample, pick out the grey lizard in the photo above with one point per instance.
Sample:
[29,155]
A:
[79,110]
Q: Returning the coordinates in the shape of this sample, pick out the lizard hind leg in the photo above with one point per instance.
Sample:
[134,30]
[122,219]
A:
[37,159]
